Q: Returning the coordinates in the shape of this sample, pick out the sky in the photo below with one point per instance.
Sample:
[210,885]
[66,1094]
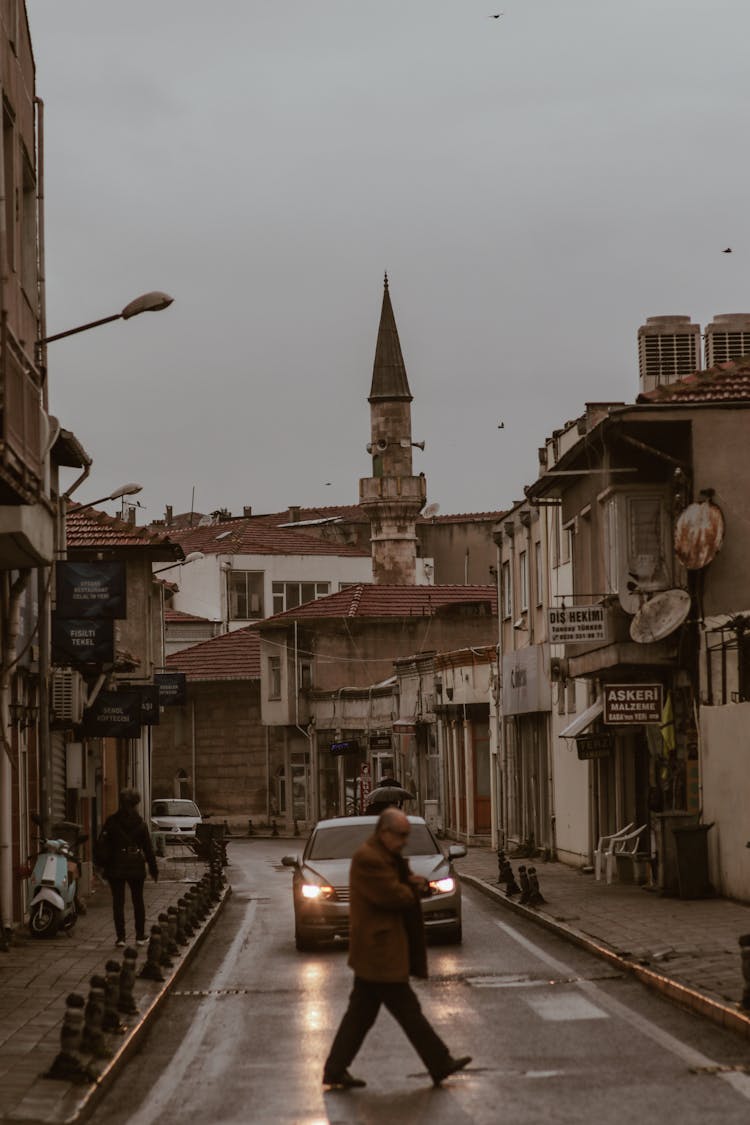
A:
[535,186]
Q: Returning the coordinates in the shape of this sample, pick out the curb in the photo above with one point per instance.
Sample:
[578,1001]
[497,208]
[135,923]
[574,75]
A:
[73,1107]
[725,1016]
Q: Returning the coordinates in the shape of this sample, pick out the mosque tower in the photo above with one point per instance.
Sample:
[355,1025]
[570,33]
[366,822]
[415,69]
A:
[393,496]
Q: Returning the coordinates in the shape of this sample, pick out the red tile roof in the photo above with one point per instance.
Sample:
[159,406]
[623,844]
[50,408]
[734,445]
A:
[232,656]
[727,382]
[89,528]
[370,600]
[260,536]
[178,616]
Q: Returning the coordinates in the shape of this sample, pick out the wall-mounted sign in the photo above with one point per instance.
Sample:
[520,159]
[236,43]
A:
[526,687]
[380,742]
[577,624]
[591,746]
[113,714]
[148,696]
[345,746]
[92,589]
[632,703]
[172,688]
[82,642]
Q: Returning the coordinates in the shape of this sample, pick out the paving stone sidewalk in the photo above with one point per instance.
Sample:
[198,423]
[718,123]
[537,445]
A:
[36,975]
[686,948]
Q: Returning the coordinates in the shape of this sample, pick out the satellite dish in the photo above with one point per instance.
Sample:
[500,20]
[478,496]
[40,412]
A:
[698,534]
[431,510]
[660,616]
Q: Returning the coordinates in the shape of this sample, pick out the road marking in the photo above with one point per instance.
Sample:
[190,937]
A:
[167,1086]
[565,1006]
[687,1054]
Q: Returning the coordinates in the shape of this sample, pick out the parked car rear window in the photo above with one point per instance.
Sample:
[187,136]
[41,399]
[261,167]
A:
[174,808]
[342,841]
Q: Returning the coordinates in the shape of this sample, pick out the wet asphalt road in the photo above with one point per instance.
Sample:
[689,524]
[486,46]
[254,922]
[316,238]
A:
[555,1035]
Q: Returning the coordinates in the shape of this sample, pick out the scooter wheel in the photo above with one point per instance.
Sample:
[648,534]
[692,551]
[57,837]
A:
[44,920]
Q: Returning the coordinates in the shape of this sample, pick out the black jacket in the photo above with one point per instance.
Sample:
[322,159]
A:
[125,833]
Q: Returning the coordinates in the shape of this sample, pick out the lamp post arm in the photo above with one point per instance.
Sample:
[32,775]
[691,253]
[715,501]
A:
[81,328]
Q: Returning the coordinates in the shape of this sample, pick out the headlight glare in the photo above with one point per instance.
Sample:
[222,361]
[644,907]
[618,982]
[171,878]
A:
[443,886]
[316,891]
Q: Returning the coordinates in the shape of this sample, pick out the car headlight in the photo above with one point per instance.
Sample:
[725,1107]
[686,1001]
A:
[316,891]
[443,886]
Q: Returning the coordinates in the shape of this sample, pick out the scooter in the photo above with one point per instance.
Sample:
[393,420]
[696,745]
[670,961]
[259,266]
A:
[53,882]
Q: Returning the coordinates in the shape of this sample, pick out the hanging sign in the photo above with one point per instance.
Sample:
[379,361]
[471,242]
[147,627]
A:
[590,746]
[92,589]
[632,703]
[575,624]
[113,714]
[148,697]
[172,688]
[345,746]
[82,642]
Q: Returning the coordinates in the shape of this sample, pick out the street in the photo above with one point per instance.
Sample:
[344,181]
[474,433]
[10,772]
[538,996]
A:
[555,1034]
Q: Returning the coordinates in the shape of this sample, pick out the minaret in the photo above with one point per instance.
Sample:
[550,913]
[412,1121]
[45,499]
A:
[392,497]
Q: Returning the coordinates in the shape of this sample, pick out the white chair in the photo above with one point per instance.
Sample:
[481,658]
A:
[626,846]
[604,850]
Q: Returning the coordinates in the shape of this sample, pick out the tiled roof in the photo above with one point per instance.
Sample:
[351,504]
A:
[260,536]
[727,382]
[89,528]
[232,656]
[179,617]
[370,600]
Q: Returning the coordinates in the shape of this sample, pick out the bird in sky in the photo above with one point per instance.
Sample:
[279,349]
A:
[728,250]
[495,15]
[501,425]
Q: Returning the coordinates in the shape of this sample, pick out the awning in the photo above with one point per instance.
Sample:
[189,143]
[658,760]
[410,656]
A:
[583,721]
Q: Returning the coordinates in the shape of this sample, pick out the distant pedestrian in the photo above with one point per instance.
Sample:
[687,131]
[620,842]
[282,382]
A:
[123,850]
[386,945]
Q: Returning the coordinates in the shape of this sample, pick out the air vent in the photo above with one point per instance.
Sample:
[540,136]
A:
[67,695]
[669,348]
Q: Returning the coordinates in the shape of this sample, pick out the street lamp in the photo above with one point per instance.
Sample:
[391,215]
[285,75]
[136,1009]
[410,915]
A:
[192,556]
[123,490]
[147,302]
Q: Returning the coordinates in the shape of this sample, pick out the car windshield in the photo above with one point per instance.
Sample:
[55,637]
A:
[174,808]
[341,841]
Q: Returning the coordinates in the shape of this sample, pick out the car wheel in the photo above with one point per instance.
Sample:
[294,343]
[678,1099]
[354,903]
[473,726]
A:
[304,945]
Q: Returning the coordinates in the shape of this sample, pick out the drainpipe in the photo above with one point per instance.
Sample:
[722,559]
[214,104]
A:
[192,749]
[314,810]
[11,598]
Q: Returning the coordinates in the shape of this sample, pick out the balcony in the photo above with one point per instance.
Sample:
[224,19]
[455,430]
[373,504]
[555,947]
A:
[21,413]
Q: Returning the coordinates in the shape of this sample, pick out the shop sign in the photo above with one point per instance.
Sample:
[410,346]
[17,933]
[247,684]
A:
[591,746]
[345,746]
[148,698]
[113,714]
[172,688]
[82,642]
[380,742]
[576,624]
[526,688]
[94,589]
[632,703]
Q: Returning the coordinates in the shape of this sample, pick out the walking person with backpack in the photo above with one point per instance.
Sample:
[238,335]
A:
[123,850]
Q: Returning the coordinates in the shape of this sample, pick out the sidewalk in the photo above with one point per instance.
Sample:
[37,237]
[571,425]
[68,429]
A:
[37,975]
[686,949]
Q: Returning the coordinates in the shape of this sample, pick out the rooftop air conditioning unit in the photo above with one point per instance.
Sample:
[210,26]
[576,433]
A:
[67,696]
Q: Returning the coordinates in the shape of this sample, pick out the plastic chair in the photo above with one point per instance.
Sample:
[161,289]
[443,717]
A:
[604,849]
[624,845]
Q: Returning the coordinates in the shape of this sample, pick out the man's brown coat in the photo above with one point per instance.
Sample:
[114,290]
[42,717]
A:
[386,939]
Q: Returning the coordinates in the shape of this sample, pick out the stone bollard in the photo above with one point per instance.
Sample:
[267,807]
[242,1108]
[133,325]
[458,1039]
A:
[536,898]
[152,969]
[523,879]
[182,938]
[93,1039]
[126,1000]
[745,955]
[274,829]
[201,902]
[250,829]
[112,1021]
[68,1064]
[508,878]
[166,961]
[172,947]
[187,925]
[226,829]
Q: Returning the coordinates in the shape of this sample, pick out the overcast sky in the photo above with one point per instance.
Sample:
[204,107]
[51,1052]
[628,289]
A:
[535,185]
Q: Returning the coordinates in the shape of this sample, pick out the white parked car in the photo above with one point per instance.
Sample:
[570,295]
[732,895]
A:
[175,818]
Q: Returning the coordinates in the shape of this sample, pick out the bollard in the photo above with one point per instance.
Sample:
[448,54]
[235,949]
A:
[508,878]
[501,860]
[93,1039]
[182,938]
[536,898]
[152,969]
[250,829]
[125,999]
[68,1063]
[186,923]
[172,947]
[166,961]
[745,955]
[296,827]
[226,829]
[112,1021]
[274,829]
[523,879]
[204,906]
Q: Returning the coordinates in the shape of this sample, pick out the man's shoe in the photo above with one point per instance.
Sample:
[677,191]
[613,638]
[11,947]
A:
[344,1081]
[450,1068]
[120,943]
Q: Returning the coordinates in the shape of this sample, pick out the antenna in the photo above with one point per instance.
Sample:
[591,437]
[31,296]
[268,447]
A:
[660,616]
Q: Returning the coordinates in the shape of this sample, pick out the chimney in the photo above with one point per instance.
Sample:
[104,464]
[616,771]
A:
[168,515]
[247,511]
[294,513]
[669,348]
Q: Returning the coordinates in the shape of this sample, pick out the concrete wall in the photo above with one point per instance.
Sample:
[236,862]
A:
[230,748]
[725,743]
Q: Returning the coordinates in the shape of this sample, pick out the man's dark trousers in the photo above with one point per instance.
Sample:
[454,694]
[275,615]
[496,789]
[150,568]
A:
[364,1005]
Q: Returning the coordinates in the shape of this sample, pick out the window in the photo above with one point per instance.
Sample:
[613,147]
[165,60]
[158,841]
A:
[288,595]
[506,590]
[9,184]
[29,234]
[305,675]
[245,591]
[523,580]
[538,574]
[637,539]
[274,677]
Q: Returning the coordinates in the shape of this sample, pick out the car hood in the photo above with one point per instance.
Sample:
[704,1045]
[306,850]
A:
[335,872]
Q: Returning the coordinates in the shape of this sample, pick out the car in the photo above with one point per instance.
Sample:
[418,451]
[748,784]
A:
[175,818]
[320,883]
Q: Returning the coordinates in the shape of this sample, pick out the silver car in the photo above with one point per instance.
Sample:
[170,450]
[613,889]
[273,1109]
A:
[320,885]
